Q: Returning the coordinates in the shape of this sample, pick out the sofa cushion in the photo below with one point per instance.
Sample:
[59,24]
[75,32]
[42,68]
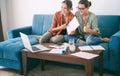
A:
[41,23]
[5,43]
[11,48]
[119,26]
[108,24]
[114,46]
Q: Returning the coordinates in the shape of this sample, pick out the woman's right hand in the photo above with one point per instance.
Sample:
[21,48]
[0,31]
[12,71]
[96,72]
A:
[63,26]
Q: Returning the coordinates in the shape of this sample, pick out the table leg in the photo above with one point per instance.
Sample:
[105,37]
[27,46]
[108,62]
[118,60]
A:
[42,65]
[89,69]
[101,64]
[24,63]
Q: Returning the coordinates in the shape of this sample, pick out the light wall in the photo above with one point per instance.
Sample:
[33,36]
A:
[4,17]
[19,13]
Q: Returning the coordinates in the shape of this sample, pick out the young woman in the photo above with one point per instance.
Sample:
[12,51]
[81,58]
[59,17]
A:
[88,31]
[60,20]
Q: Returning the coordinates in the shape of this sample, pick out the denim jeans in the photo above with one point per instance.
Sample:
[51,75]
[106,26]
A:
[75,37]
[93,40]
[90,40]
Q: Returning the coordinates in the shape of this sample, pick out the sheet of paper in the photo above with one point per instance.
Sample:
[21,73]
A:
[72,25]
[57,47]
[57,51]
[98,47]
[90,48]
[54,46]
[41,47]
[85,55]
[85,48]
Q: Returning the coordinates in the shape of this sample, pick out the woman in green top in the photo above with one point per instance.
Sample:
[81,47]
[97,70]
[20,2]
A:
[88,31]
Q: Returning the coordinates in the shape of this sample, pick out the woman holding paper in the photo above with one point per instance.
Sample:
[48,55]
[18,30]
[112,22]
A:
[88,24]
[60,20]
[88,31]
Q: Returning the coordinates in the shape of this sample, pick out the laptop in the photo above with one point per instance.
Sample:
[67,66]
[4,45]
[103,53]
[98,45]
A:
[27,45]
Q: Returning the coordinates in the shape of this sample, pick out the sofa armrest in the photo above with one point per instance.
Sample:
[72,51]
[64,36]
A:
[13,33]
[114,44]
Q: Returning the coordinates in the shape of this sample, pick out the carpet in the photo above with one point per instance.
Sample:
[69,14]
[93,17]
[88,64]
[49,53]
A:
[51,70]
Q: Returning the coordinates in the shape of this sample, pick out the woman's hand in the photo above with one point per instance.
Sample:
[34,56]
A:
[63,26]
[87,28]
[58,28]
[73,32]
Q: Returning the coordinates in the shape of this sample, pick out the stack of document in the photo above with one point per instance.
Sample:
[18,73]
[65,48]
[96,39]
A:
[57,51]
[85,55]
[72,25]
[90,48]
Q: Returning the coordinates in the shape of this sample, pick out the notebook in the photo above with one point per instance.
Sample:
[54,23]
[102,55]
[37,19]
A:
[34,48]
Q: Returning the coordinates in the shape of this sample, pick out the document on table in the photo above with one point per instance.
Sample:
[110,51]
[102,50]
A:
[98,47]
[85,48]
[85,55]
[56,51]
[90,48]
[57,46]
[41,47]
[72,25]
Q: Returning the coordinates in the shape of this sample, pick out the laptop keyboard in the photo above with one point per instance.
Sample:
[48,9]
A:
[35,48]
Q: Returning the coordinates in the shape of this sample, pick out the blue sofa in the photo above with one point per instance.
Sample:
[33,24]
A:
[10,50]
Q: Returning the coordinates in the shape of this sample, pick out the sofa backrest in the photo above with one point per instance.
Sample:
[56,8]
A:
[41,23]
[108,24]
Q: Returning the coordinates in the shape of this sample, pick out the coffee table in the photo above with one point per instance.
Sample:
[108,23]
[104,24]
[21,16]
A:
[88,63]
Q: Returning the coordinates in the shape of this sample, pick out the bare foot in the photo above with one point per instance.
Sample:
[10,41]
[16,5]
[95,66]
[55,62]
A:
[105,39]
[81,41]
[37,37]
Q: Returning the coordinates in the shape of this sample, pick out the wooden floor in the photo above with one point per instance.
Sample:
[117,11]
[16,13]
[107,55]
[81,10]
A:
[51,70]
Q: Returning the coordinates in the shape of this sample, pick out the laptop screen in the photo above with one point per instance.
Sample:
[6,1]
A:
[26,41]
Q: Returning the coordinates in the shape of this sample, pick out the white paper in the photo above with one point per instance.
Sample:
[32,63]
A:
[98,47]
[90,48]
[54,46]
[58,47]
[41,47]
[85,48]
[72,25]
[85,55]
[57,51]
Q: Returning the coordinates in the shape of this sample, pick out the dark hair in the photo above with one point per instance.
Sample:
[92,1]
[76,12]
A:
[68,3]
[85,2]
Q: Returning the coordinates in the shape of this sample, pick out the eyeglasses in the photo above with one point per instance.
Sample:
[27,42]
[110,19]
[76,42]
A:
[80,8]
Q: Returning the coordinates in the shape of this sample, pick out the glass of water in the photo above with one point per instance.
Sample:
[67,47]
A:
[71,41]
[71,45]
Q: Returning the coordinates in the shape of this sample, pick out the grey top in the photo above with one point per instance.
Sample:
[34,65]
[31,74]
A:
[91,20]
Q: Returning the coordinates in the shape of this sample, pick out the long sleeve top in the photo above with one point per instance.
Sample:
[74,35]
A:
[58,20]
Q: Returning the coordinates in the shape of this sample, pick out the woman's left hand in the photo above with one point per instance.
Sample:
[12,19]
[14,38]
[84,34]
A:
[73,32]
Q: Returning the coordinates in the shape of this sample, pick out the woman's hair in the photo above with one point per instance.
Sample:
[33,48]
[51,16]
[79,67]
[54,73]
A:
[85,2]
[68,3]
